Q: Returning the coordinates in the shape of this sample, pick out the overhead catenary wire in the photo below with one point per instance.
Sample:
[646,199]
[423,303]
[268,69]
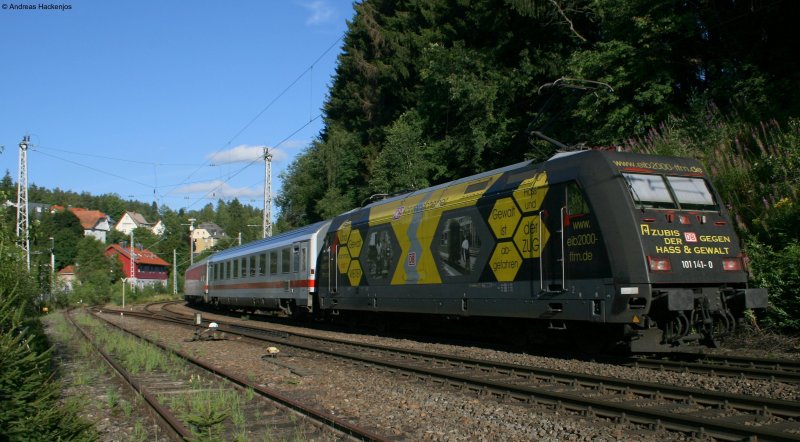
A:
[267,107]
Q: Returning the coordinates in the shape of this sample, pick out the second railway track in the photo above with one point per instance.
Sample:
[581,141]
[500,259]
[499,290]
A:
[688,410]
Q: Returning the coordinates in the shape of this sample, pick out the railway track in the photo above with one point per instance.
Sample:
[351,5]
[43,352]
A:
[693,411]
[738,366]
[275,416]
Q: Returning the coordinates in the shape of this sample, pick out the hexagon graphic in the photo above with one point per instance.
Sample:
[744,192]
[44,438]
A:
[504,218]
[505,261]
[354,272]
[354,243]
[343,259]
[344,232]
[527,237]
[531,192]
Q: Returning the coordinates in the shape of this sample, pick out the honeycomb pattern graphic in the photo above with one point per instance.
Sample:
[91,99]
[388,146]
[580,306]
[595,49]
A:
[350,244]
[515,218]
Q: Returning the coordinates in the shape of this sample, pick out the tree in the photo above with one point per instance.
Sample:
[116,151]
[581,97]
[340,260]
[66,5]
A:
[95,271]
[66,230]
[29,395]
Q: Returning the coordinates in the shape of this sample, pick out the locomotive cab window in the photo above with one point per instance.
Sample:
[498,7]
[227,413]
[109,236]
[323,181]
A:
[692,193]
[649,191]
[671,192]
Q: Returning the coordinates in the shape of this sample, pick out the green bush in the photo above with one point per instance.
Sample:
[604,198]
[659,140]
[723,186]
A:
[779,272]
[29,397]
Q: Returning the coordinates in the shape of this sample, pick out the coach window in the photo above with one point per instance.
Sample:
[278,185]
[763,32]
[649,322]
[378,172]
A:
[286,259]
[303,259]
[244,268]
[262,264]
[235,268]
[273,263]
[296,260]
[253,265]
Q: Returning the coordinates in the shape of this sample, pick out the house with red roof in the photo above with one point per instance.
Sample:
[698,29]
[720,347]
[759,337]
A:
[95,223]
[66,278]
[149,270]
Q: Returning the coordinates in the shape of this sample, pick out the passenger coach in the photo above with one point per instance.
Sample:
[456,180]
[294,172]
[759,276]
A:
[272,273]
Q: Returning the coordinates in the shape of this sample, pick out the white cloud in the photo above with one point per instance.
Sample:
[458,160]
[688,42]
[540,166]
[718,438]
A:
[321,12]
[244,153]
[218,189]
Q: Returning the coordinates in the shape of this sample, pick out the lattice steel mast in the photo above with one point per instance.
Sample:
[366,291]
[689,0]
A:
[22,200]
[266,221]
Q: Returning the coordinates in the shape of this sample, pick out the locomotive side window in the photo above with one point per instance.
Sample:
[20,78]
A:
[649,191]
[692,193]
[576,204]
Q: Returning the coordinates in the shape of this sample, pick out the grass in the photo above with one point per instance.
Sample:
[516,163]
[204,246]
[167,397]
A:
[208,410]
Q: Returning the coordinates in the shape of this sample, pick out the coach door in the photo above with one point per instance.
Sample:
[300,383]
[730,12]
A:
[551,265]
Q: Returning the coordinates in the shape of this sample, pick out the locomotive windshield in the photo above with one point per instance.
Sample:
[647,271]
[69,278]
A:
[692,193]
[671,192]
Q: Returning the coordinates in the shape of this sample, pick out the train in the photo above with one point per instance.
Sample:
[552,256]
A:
[596,247]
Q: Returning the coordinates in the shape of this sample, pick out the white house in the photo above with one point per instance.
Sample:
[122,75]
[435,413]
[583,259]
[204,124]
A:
[133,220]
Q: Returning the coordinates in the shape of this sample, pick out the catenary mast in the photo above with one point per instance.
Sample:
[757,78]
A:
[266,221]
[22,200]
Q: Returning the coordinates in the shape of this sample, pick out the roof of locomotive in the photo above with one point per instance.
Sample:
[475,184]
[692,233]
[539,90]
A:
[449,183]
[587,160]
[280,240]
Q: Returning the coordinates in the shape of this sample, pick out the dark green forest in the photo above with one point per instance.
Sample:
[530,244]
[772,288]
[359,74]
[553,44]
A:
[430,91]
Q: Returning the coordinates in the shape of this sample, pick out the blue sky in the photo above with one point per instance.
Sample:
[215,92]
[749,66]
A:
[129,97]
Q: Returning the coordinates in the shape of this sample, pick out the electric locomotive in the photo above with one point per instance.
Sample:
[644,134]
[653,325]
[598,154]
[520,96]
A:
[596,246]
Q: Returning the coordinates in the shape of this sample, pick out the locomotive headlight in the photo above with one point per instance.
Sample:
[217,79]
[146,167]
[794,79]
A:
[659,264]
[732,264]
